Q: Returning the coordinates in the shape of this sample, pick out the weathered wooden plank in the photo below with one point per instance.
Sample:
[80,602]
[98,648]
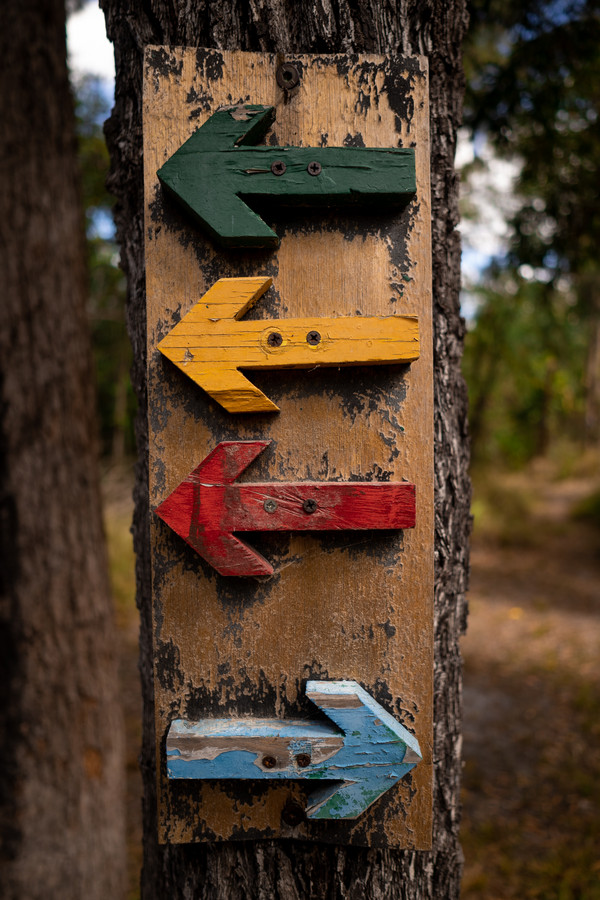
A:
[214,169]
[341,606]
[371,756]
[210,344]
[206,508]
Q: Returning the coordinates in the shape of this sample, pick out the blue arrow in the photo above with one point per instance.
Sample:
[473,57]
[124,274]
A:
[368,751]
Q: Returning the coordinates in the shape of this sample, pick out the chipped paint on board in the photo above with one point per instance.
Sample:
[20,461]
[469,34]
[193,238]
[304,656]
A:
[341,605]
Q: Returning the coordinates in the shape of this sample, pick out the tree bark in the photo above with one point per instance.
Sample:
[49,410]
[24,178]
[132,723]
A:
[61,807]
[434,28]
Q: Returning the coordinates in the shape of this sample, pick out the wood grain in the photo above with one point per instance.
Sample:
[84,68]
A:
[338,607]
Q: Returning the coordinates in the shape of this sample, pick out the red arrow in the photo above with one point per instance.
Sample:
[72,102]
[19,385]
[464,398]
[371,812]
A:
[208,507]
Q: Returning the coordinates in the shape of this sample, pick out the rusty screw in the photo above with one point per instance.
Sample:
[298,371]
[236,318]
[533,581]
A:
[287,76]
[314,168]
[275,339]
[309,506]
[270,506]
[303,760]
[313,338]
[278,167]
[293,814]
[269,762]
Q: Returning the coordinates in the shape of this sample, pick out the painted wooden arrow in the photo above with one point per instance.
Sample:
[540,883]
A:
[207,507]
[371,754]
[214,169]
[210,345]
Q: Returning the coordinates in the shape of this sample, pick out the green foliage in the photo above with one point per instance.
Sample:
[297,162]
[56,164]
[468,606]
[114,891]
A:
[107,289]
[533,72]
[524,366]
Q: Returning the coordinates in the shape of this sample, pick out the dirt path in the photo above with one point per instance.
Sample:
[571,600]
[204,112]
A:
[531,820]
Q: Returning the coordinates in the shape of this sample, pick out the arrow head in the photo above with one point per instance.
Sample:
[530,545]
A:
[196,515]
[196,344]
[192,176]
[378,751]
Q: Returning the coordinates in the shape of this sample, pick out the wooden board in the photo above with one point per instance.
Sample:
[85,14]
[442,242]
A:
[340,606]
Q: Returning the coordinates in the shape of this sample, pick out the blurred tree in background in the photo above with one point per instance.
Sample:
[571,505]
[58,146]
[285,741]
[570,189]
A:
[533,353]
[107,289]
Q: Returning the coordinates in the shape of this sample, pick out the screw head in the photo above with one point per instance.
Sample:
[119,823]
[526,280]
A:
[293,814]
[314,168]
[278,167]
[270,506]
[303,760]
[313,338]
[309,506]
[287,76]
[269,762]
[275,339]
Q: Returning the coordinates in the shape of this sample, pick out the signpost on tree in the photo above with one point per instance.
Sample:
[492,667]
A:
[349,451]
[238,649]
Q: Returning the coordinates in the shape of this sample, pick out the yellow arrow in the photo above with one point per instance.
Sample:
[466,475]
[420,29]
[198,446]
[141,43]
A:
[211,345]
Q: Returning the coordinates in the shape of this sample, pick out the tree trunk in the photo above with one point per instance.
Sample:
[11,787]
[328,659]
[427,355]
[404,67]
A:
[61,811]
[435,28]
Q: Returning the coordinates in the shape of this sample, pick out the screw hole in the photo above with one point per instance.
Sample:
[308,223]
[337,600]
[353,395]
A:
[287,76]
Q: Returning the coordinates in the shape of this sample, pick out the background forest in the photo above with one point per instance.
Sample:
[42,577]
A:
[532,364]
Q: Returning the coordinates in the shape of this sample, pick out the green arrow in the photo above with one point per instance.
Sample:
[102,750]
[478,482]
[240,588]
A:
[214,172]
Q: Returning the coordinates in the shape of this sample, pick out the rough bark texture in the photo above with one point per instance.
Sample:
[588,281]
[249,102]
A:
[434,28]
[61,800]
